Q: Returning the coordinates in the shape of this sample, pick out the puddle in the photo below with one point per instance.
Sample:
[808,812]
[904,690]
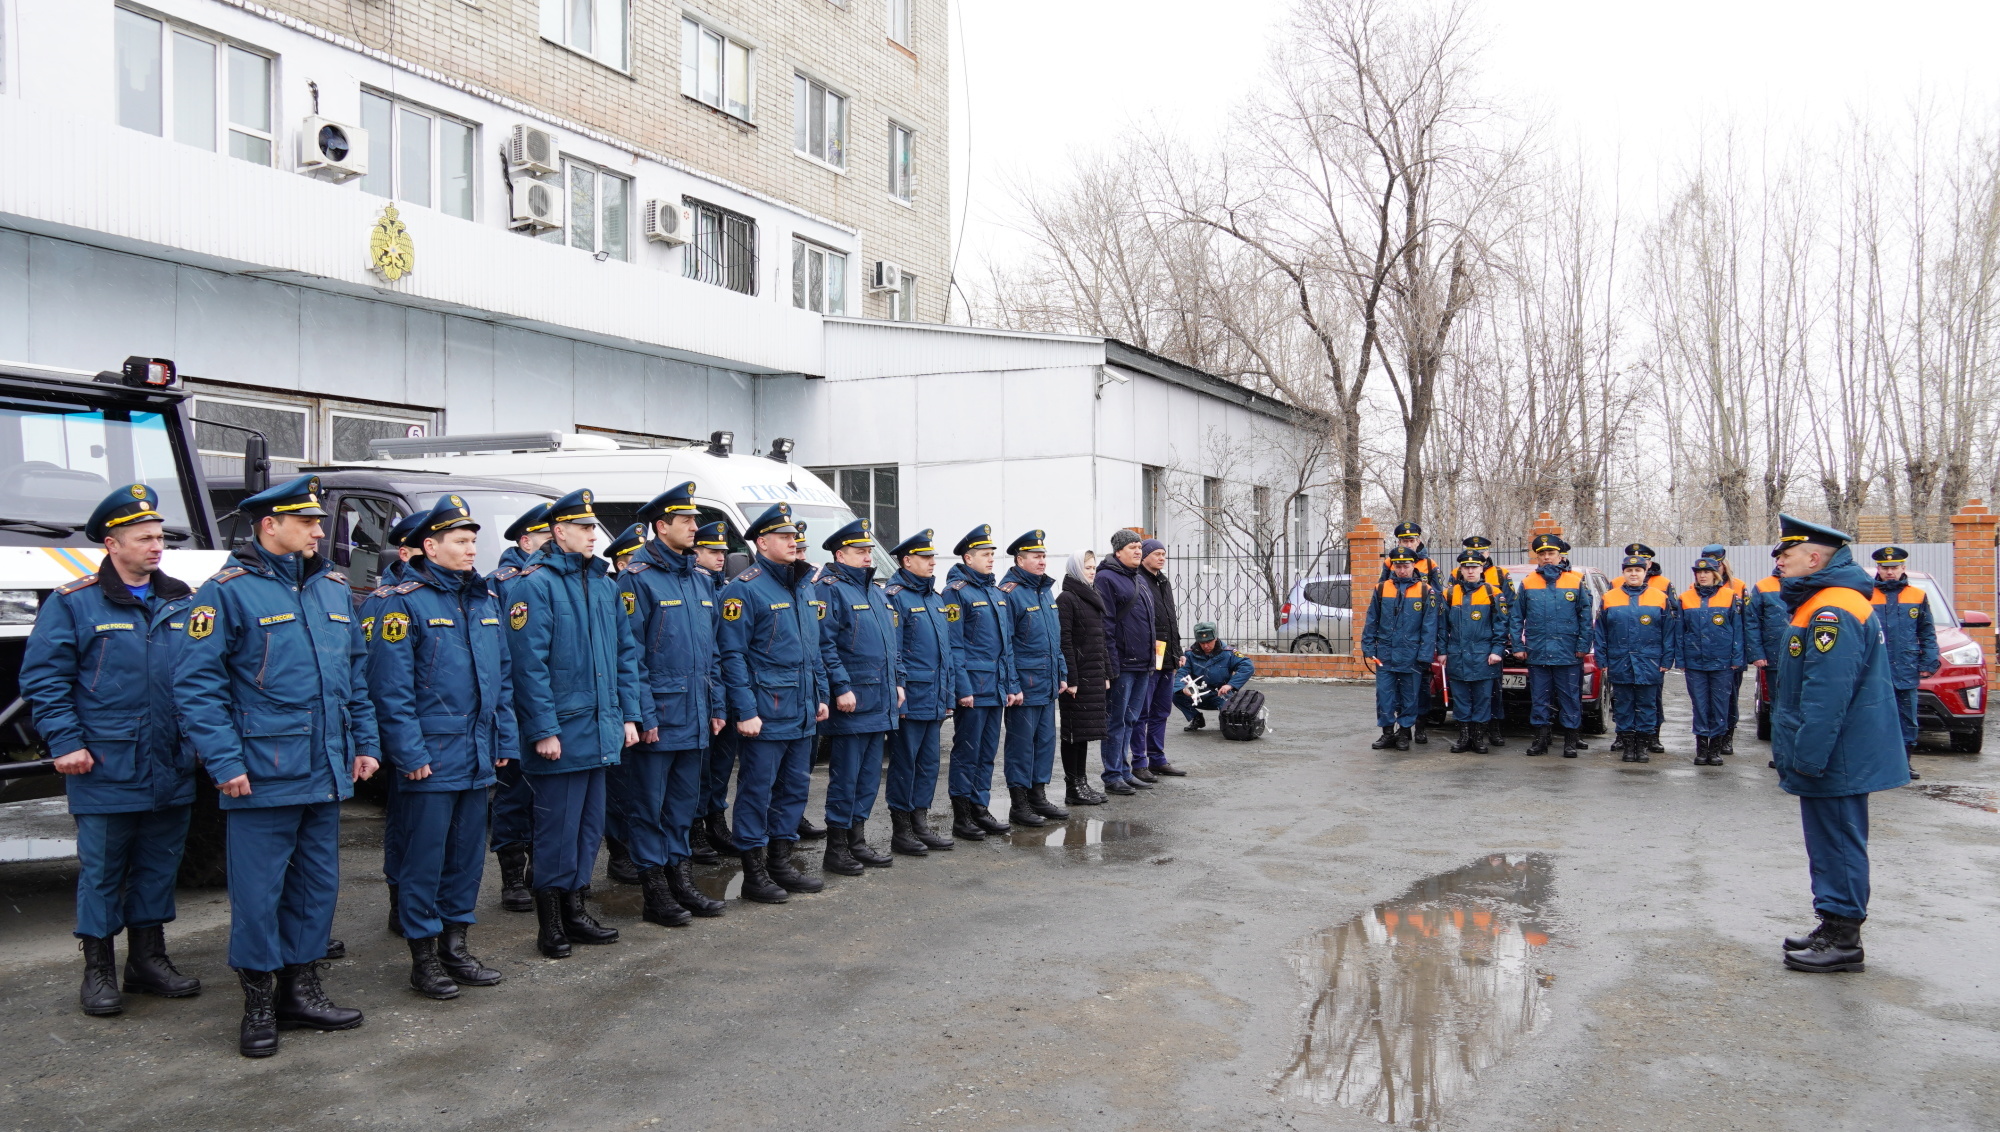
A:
[720,882]
[1979,798]
[1075,832]
[36,848]
[1410,1001]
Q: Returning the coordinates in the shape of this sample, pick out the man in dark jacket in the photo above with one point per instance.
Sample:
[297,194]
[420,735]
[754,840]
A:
[1149,741]
[1215,669]
[1038,669]
[1129,636]
[1911,635]
[859,642]
[932,687]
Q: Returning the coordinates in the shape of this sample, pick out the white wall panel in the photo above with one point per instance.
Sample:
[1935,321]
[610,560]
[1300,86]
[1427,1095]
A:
[423,357]
[534,380]
[84,307]
[351,347]
[468,376]
[13,296]
[233,328]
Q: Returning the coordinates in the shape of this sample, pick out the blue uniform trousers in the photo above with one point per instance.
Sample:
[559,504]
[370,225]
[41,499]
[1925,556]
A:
[773,777]
[1555,695]
[392,824]
[129,862]
[1735,692]
[569,826]
[513,821]
[653,795]
[1031,745]
[1475,701]
[1636,707]
[1149,732]
[1123,702]
[913,764]
[1710,692]
[721,759]
[1906,710]
[853,777]
[284,875]
[1396,697]
[975,744]
[444,857]
[1837,851]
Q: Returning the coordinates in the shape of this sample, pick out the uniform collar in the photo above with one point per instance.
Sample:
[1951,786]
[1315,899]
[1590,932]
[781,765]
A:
[116,592]
[1036,581]
[666,558]
[565,562]
[853,575]
[788,574]
[1839,570]
[966,573]
[910,581]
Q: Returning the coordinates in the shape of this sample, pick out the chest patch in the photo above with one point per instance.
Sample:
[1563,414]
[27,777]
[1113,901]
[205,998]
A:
[517,615]
[1913,611]
[1795,646]
[106,628]
[201,622]
[367,629]
[1825,637]
[1569,595]
[343,618]
[732,608]
[819,609]
[395,627]
[951,612]
[277,619]
[1477,614]
[1645,619]
[1418,605]
[1719,619]
[489,620]
[444,622]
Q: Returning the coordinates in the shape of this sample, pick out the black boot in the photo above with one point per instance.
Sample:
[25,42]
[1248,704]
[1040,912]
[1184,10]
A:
[902,838]
[427,975]
[258,1036]
[1643,745]
[1909,756]
[698,847]
[1494,737]
[303,1005]
[1021,810]
[464,968]
[579,925]
[1833,946]
[1628,748]
[858,847]
[920,824]
[1038,801]
[395,909]
[1464,741]
[335,949]
[984,819]
[719,836]
[757,882]
[1422,735]
[1539,745]
[1479,739]
[1385,740]
[516,894]
[1402,738]
[620,868]
[553,940]
[1572,743]
[808,831]
[659,906]
[1728,746]
[1653,744]
[838,858]
[99,993]
[961,821]
[147,968]
[1079,792]
[1196,723]
[680,881]
[778,859]
[1701,750]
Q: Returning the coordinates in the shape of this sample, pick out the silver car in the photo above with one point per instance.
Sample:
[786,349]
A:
[1318,616]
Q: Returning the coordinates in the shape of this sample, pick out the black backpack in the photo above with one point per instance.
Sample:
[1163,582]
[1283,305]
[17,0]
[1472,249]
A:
[1243,716]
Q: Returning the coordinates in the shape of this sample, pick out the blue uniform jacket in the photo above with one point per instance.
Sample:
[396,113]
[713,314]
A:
[271,680]
[439,670]
[1713,628]
[982,636]
[1551,616]
[1036,630]
[1908,630]
[577,673]
[99,673]
[673,607]
[931,676]
[1472,625]
[859,645]
[1835,726]
[1401,630]
[1216,668]
[1766,621]
[1637,636]
[395,575]
[771,662]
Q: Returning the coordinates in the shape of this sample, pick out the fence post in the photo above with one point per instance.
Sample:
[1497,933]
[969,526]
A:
[1972,555]
[1545,524]
[1364,557]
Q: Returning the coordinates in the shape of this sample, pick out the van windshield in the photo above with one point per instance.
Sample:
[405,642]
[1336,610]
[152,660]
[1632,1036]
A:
[1941,614]
[58,461]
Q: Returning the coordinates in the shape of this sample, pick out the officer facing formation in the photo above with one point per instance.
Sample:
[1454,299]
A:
[1910,634]
[982,640]
[1636,637]
[513,804]
[1399,639]
[1551,630]
[1035,630]
[1472,642]
[934,683]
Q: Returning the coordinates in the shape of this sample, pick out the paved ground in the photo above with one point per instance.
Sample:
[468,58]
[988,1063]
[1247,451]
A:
[1304,934]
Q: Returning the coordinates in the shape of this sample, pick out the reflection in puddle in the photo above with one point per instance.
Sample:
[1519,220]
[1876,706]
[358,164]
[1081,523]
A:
[1076,831]
[36,848]
[1414,998]
[1974,796]
[720,882]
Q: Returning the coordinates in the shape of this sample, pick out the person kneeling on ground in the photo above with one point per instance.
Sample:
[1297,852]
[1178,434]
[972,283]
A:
[1218,668]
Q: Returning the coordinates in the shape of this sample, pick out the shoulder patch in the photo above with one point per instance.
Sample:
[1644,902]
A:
[1008,587]
[530,568]
[1827,615]
[381,591]
[752,572]
[957,585]
[230,574]
[635,567]
[895,589]
[409,587]
[336,576]
[84,582]
[504,573]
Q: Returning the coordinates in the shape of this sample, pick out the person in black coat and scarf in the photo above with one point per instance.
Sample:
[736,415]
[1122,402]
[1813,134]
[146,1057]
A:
[1149,738]
[1087,660]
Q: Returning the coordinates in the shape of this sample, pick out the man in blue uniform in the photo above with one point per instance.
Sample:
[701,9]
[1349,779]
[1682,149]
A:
[1399,638]
[624,546]
[1911,635]
[1214,667]
[708,834]
[1834,730]
[1719,554]
[439,674]
[933,683]
[272,690]
[656,788]
[858,644]
[577,688]
[1711,648]
[513,810]
[1410,537]
[982,639]
[98,672]
[1550,629]
[1636,637]
[776,682]
[1472,638]
[1496,576]
[1769,620]
[393,575]
[1035,629]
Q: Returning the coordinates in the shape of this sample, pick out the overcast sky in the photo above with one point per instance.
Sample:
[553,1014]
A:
[1037,80]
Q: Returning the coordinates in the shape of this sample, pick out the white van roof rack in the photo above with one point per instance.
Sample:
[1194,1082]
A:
[412,447]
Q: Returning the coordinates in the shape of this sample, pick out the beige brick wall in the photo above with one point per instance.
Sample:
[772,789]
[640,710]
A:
[497,44]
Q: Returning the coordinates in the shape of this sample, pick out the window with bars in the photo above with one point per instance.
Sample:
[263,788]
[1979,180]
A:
[902,162]
[715,69]
[819,127]
[596,28]
[873,494]
[179,83]
[724,249]
[597,204]
[418,155]
[819,278]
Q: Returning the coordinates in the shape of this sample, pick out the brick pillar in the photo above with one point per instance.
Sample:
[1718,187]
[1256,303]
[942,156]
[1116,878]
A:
[1364,561]
[1545,524]
[1972,556]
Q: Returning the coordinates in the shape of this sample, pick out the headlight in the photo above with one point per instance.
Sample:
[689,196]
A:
[18,607]
[1963,656]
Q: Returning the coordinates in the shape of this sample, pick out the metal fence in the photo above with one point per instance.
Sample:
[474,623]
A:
[1278,603]
[1753,561]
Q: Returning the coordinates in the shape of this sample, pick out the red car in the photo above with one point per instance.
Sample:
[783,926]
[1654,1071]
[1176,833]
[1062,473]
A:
[1514,676]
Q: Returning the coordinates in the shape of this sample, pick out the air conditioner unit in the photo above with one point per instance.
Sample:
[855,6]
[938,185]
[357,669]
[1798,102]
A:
[537,204]
[335,150]
[532,150]
[668,222]
[887,277]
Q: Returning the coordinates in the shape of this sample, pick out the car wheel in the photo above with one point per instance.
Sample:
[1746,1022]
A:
[1969,742]
[1764,724]
[1311,642]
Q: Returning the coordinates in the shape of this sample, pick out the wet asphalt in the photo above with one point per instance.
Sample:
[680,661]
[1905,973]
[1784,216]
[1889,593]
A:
[1303,933]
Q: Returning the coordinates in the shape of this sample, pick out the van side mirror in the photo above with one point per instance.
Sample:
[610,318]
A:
[1973,619]
[256,463]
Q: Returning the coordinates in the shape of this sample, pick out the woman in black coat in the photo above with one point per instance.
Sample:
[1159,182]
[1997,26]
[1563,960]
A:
[1088,663]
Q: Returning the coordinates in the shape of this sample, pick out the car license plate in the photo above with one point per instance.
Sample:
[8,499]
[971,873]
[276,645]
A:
[1507,680]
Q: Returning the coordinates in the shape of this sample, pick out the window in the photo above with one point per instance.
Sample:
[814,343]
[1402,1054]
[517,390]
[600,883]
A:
[1152,494]
[594,27]
[899,21]
[870,493]
[819,127]
[348,434]
[598,203]
[1301,526]
[286,428]
[819,278]
[1260,516]
[902,162]
[724,249]
[1211,516]
[417,155]
[301,430]
[175,83]
[903,302]
[361,539]
[715,69]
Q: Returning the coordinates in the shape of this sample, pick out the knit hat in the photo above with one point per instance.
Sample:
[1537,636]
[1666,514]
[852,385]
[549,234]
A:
[1151,545]
[1122,538]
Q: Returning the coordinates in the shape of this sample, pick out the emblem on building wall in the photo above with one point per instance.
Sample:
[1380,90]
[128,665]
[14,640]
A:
[391,253]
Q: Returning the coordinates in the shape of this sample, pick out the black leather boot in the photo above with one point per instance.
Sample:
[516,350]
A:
[99,993]
[902,838]
[1402,738]
[395,910]
[1642,746]
[1493,734]
[1021,809]
[984,819]
[1385,740]
[579,925]
[1572,743]
[920,824]
[1079,792]
[660,907]
[680,881]
[808,831]
[757,882]
[1909,756]
[515,892]
[1701,750]
[335,949]
[553,940]
[699,850]
[1421,735]
[147,968]
[1464,741]
[838,858]
[1539,745]
[258,1036]
[961,821]
[1479,738]
[303,1005]
[1833,946]
[719,836]
[464,968]
[1038,801]
[620,867]
[1728,745]
[427,975]
[858,847]
[1653,744]
[1196,723]
[784,870]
